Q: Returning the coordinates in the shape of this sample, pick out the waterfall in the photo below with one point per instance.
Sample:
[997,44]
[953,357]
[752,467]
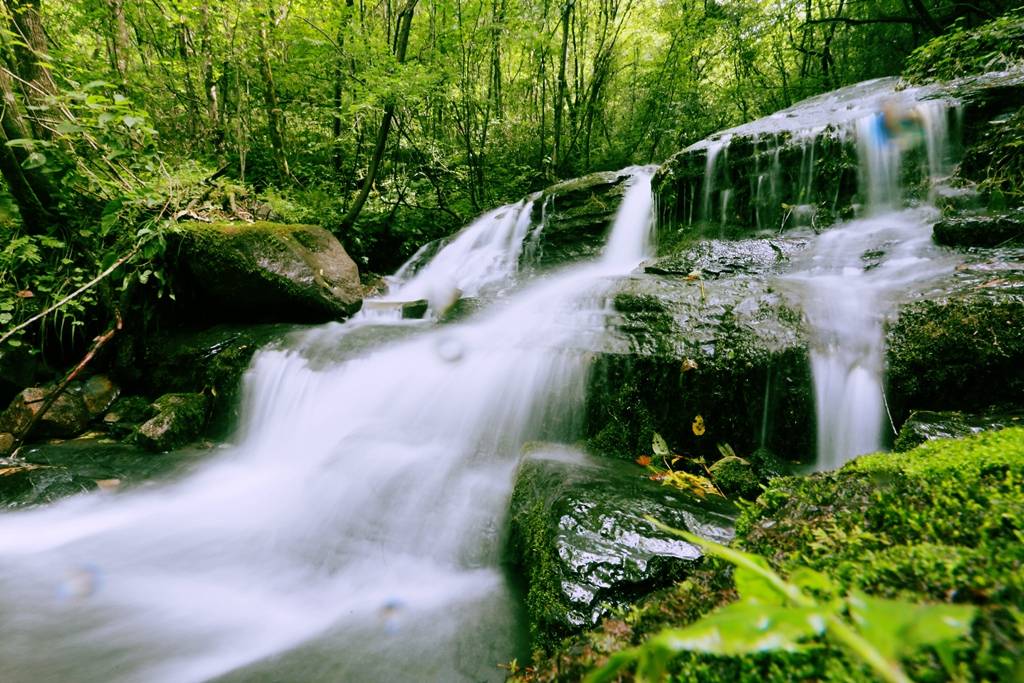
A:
[353,530]
[854,274]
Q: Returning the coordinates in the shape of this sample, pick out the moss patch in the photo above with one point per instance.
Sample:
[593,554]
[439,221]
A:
[944,522]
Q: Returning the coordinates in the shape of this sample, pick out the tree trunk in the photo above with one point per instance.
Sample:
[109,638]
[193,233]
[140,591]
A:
[556,153]
[118,38]
[275,115]
[404,24]
[33,55]
[28,186]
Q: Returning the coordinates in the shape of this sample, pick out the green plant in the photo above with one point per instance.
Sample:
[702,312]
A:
[775,614]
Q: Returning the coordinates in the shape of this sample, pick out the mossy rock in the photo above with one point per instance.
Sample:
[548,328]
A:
[964,352]
[928,425]
[941,523]
[990,230]
[578,533]
[264,272]
[576,215]
[179,419]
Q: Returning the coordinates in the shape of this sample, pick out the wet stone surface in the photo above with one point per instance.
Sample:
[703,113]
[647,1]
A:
[579,535]
[928,425]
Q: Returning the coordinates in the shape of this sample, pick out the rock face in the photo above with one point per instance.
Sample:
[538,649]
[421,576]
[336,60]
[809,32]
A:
[576,214]
[703,332]
[211,360]
[993,230]
[266,272]
[579,534]
[179,419]
[964,351]
[927,425]
[66,417]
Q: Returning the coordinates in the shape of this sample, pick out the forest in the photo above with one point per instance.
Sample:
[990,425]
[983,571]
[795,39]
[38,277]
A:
[511,340]
[389,123]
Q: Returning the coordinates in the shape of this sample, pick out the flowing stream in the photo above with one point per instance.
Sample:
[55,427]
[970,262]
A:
[353,533]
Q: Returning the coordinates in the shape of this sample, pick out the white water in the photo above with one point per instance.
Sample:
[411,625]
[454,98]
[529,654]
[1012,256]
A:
[352,534]
[853,277]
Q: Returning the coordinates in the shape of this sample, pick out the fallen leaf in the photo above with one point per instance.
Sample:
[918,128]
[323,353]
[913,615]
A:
[698,426]
[108,484]
[643,460]
[25,294]
[693,275]
[689,364]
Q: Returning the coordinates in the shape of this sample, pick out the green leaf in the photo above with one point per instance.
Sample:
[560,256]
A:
[659,446]
[746,627]
[898,628]
[810,580]
[34,160]
[751,585]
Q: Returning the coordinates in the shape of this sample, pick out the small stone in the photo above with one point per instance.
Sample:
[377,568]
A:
[98,393]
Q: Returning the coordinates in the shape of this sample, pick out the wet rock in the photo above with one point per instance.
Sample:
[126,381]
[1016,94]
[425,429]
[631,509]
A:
[993,230]
[928,425]
[729,349]
[179,419]
[7,443]
[66,416]
[962,352]
[98,393]
[579,534]
[266,272]
[126,415]
[576,214]
[47,472]
[211,360]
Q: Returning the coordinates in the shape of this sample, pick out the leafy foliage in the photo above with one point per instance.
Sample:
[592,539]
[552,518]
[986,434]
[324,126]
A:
[775,614]
[993,46]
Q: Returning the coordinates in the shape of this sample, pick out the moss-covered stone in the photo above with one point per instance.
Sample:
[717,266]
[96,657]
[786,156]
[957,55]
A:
[576,214]
[928,425]
[265,272]
[179,419]
[125,416]
[210,361]
[728,349]
[944,522]
[987,230]
[962,352]
[578,533]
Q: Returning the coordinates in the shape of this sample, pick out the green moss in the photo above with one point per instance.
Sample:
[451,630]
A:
[944,522]
[545,603]
[971,348]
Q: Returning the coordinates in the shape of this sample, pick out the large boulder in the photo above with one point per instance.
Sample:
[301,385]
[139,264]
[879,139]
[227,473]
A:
[579,534]
[211,361]
[67,416]
[703,332]
[265,272]
[963,351]
[982,230]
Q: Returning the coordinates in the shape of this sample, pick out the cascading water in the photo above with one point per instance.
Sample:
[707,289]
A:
[855,272]
[353,531]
